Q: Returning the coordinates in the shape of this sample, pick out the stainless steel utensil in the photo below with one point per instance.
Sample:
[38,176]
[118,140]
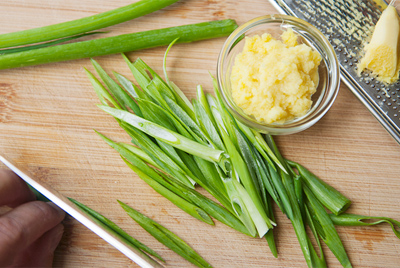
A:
[348,24]
[135,255]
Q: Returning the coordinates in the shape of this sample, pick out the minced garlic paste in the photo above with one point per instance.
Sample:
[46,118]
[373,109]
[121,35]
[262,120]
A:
[273,80]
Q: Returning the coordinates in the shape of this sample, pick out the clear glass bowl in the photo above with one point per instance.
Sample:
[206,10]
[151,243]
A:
[329,81]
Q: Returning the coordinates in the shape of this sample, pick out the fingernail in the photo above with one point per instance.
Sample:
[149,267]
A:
[59,210]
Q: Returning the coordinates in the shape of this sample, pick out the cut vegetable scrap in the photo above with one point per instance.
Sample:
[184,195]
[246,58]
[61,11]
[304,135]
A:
[382,53]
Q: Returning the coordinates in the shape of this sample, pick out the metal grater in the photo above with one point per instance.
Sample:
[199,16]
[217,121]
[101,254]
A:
[348,24]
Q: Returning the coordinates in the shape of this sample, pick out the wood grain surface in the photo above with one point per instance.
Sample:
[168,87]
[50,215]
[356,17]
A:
[48,113]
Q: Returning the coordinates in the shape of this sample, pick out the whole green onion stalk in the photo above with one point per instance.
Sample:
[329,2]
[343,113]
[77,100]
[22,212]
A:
[116,230]
[118,44]
[83,25]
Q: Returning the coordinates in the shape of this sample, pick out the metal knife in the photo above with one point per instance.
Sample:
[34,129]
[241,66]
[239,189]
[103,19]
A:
[135,255]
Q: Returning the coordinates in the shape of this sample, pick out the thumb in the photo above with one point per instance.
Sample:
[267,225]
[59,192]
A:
[24,225]
[41,252]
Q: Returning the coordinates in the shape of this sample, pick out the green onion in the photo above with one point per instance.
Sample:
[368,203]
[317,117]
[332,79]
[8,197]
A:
[347,219]
[156,154]
[116,230]
[331,198]
[104,96]
[264,147]
[181,98]
[132,158]
[162,161]
[203,143]
[208,170]
[325,228]
[47,44]
[270,235]
[157,114]
[194,167]
[316,261]
[234,189]
[212,208]
[139,153]
[188,207]
[118,44]
[252,136]
[203,102]
[167,135]
[158,92]
[83,25]
[148,174]
[277,181]
[165,61]
[165,236]
[124,100]
[231,137]
[207,126]
[162,117]
[212,181]
[132,89]
[249,196]
[297,219]
[266,182]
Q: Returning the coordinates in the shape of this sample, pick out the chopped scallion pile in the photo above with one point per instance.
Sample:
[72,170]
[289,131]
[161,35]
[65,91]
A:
[178,144]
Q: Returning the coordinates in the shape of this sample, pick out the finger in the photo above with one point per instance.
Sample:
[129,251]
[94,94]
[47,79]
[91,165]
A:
[13,190]
[25,224]
[41,252]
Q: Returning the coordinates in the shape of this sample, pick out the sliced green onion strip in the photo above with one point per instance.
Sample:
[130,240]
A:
[156,153]
[132,89]
[115,229]
[270,235]
[138,163]
[347,219]
[165,60]
[331,198]
[212,208]
[166,135]
[284,198]
[139,153]
[124,100]
[186,206]
[101,92]
[317,261]
[325,228]
[203,100]
[297,219]
[248,192]
[208,127]
[165,236]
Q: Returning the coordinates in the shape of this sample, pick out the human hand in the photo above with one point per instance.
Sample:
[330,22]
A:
[31,231]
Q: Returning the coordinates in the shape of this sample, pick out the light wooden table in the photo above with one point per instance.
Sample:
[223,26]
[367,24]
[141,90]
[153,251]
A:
[48,113]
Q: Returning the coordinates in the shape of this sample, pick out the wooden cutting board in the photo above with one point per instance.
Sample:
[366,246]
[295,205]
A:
[48,113]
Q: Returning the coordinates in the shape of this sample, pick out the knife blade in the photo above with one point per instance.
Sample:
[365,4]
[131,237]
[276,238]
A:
[135,255]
